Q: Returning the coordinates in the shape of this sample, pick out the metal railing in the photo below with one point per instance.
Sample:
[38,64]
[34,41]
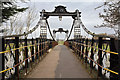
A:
[19,56]
[100,54]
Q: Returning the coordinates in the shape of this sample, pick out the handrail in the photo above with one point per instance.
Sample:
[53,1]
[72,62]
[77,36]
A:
[98,48]
[20,62]
[20,48]
[98,63]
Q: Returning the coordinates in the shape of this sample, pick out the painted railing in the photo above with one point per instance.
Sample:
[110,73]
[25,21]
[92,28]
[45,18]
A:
[101,55]
[19,56]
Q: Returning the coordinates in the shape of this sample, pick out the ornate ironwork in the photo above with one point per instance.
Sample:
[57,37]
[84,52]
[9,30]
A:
[60,30]
[59,11]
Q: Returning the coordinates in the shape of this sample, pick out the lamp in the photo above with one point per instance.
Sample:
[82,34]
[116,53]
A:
[60,18]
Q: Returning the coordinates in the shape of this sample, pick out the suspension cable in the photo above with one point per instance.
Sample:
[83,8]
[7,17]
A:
[93,34]
[71,30]
[50,30]
[24,34]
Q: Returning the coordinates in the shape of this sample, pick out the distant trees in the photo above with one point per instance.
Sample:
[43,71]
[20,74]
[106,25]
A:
[21,22]
[30,18]
[110,15]
[9,8]
[17,20]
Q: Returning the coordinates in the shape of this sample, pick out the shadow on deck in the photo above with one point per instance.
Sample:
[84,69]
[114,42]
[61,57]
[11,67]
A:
[60,62]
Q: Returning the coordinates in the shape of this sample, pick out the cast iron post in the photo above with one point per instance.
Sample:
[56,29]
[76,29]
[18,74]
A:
[17,57]
[118,45]
[86,51]
[2,63]
[36,48]
[26,53]
[113,60]
[100,57]
[40,47]
[92,54]
[82,48]
[32,50]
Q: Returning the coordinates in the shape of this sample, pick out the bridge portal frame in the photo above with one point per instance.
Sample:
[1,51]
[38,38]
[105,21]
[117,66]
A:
[60,30]
[61,11]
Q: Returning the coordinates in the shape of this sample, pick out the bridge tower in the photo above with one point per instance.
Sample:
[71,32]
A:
[43,26]
[77,30]
[43,31]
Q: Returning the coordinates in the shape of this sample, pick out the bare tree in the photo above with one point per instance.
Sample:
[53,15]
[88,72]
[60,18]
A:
[19,24]
[110,15]
[31,17]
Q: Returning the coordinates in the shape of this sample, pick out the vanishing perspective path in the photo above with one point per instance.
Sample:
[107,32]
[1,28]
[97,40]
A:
[59,63]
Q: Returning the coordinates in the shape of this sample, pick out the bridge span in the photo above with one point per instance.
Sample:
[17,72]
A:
[80,57]
[60,62]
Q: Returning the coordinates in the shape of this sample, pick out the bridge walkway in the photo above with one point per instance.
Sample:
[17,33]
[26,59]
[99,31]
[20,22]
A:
[60,62]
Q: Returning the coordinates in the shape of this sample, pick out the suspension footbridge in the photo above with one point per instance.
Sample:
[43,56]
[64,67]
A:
[41,57]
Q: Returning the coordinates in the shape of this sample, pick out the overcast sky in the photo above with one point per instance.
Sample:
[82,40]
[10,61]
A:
[89,15]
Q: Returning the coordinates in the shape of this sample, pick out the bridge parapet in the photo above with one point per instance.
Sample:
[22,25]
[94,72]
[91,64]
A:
[19,56]
[100,54]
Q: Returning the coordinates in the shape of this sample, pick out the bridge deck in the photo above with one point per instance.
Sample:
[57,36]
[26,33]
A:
[59,63]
